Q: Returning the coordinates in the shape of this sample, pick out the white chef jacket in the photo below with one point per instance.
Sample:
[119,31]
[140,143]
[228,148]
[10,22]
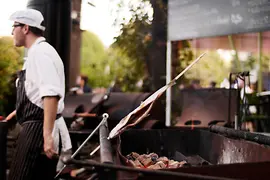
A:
[45,77]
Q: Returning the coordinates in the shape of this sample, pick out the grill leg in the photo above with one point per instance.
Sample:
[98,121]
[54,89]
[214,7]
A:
[3,149]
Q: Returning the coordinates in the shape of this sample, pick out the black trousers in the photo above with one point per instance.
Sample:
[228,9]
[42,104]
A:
[29,163]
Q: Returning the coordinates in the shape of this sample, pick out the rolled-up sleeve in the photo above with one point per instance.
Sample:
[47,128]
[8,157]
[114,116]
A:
[48,77]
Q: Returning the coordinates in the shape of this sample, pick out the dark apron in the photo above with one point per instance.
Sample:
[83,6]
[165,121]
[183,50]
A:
[29,161]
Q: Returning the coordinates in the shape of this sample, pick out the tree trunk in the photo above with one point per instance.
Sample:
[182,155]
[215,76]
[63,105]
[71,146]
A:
[157,56]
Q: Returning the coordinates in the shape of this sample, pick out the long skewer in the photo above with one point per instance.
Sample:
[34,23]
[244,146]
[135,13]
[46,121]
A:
[105,117]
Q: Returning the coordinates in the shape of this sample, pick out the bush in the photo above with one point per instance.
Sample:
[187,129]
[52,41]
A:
[10,63]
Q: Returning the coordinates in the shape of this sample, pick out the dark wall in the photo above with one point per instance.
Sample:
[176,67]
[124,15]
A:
[57,18]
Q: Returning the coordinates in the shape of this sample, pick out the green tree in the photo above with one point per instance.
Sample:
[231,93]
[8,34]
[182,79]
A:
[184,57]
[210,68]
[132,46]
[134,39]
[107,66]
[143,36]
[125,71]
[251,62]
[94,60]
[10,63]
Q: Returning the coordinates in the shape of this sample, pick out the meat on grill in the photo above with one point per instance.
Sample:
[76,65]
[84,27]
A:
[152,161]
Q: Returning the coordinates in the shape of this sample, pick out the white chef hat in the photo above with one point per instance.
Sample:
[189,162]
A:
[30,17]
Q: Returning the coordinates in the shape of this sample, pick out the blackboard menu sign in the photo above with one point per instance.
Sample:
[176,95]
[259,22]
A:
[188,19]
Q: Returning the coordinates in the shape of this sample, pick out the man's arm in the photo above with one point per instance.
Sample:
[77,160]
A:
[49,83]
[50,110]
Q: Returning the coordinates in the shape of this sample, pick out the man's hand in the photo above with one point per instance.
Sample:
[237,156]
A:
[10,116]
[49,147]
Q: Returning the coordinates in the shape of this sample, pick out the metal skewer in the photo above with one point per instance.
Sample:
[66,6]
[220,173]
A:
[104,118]
[95,150]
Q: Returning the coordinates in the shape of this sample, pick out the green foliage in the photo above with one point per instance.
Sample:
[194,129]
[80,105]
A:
[126,72]
[210,68]
[265,63]
[10,63]
[92,47]
[213,67]
[107,66]
[135,39]
[131,47]
[94,60]
[251,62]
[185,56]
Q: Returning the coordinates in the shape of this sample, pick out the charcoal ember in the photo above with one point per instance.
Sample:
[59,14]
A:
[173,164]
[129,157]
[165,160]
[138,164]
[176,164]
[161,164]
[153,157]
[132,163]
[158,165]
[133,156]
[141,157]
[152,161]
[155,166]
[147,161]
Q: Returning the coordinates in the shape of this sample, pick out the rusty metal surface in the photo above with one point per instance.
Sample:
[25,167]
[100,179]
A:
[250,171]
[3,149]
[105,145]
[246,135]
[141,173]
[219,149]
[229,157]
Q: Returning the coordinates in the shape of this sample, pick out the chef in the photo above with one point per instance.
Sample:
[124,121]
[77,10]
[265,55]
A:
[40,101]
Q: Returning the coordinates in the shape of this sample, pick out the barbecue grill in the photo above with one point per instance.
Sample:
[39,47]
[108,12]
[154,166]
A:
[213,153]
[3,149]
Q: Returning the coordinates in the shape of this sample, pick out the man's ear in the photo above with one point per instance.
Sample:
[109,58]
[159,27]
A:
[26,29]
